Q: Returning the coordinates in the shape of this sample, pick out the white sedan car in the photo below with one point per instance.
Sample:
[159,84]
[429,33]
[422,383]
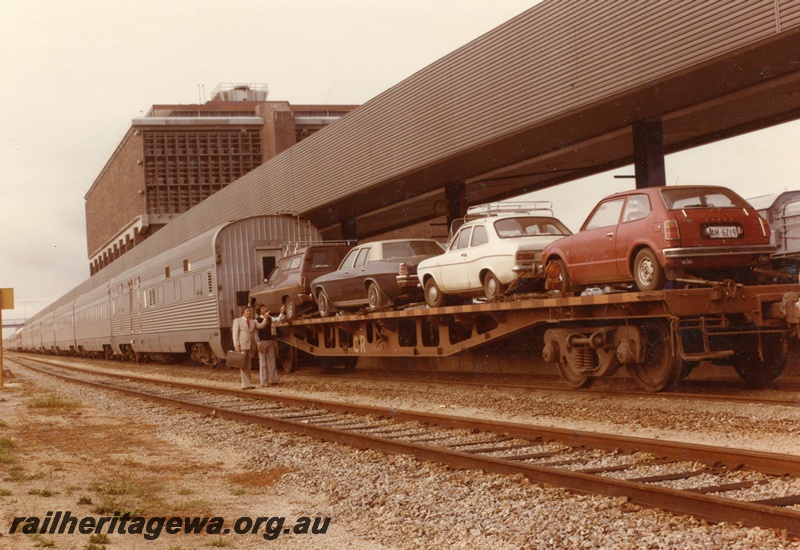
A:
[490,256]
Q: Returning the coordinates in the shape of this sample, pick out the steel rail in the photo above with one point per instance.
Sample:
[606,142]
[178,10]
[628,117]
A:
[710,508]
[770,463]
[679,391]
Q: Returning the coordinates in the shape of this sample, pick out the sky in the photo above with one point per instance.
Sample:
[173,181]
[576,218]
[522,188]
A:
[76,72]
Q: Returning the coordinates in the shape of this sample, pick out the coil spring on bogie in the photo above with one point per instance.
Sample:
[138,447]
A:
[586,359]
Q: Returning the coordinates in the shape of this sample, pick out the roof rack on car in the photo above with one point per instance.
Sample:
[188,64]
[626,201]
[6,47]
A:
[293,247]
[498,208]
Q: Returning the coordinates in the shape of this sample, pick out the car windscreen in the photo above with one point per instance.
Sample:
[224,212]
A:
[702,197]
[407,249]
[529,226]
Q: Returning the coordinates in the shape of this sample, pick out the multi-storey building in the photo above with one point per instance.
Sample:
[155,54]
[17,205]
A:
[178,155]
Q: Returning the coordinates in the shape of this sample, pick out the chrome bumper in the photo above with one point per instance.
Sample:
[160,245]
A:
[405,281]
[704,251]
[535,268]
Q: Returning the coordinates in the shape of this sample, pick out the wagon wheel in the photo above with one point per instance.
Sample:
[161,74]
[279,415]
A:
[751,367]
[572,378]
[660,369]
[287,355]
[333,361]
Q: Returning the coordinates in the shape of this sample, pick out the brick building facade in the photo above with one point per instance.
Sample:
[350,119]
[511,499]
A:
[178,155]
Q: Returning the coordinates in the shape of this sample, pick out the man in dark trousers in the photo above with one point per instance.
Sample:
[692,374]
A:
[267,346]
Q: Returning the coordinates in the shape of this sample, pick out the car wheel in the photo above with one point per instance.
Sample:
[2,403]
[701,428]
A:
[647,272]
[324,304]
[557,270]
[374,296]
[433,295]
[492,287]
[289,309]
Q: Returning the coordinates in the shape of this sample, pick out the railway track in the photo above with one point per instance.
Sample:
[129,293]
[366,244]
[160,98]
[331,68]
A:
[713,483]
[785,393]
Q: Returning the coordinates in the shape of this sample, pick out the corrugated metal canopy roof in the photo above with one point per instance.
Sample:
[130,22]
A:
[545,98]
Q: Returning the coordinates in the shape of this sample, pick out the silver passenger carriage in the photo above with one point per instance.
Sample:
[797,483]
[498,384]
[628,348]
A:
[782,211]
[178,304]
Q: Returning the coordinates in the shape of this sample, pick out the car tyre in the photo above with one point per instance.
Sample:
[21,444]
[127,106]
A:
[566,282]
[289,309]
[492,287]
[433,294]
[648,274]
[324,304]
[374,296]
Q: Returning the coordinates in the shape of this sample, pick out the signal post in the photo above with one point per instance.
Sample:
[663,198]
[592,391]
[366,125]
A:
[6,302]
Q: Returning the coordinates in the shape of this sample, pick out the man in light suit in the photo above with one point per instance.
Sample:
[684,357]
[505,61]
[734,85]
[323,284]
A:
[244,339]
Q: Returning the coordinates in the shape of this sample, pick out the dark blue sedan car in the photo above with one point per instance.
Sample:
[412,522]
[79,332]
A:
[375,275]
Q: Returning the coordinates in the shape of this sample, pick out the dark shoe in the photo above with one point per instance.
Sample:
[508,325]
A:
[249,388]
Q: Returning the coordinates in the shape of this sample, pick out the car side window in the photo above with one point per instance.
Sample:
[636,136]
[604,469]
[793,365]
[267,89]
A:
[348,260]
[637,208]
[295,263]
[607,214]
[282,266]
[361,261]
[479,235]
[320,259]
[462,239]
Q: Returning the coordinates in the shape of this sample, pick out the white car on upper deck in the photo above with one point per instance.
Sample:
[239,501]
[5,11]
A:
[496,249]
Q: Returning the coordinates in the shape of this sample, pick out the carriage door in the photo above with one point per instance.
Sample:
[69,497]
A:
[133,306]
[266,260]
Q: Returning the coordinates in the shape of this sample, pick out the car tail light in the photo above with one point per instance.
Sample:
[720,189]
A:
[671,231]
[303,283]
[764,227]
[403,269]
[529,256]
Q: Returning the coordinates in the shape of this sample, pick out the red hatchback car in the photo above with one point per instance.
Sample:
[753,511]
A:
[648,236]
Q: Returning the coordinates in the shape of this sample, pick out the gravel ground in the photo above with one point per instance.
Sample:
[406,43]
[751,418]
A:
[373,500]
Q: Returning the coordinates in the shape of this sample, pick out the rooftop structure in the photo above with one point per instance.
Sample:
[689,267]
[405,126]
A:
[176,156]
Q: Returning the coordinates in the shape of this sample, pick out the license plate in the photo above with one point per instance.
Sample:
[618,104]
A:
[723,232]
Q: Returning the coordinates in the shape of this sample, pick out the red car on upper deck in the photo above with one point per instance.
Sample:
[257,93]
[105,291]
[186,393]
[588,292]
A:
[648,236]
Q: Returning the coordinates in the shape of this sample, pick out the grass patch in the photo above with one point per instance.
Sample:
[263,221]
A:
[191,505]
[137,497]
[42,542]
[3,424]
[219,542]
[5,493]
[99,538]
[6,455]
[50,401]
[42,492]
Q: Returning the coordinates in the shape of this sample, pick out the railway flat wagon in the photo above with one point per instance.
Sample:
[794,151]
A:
[658,336]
